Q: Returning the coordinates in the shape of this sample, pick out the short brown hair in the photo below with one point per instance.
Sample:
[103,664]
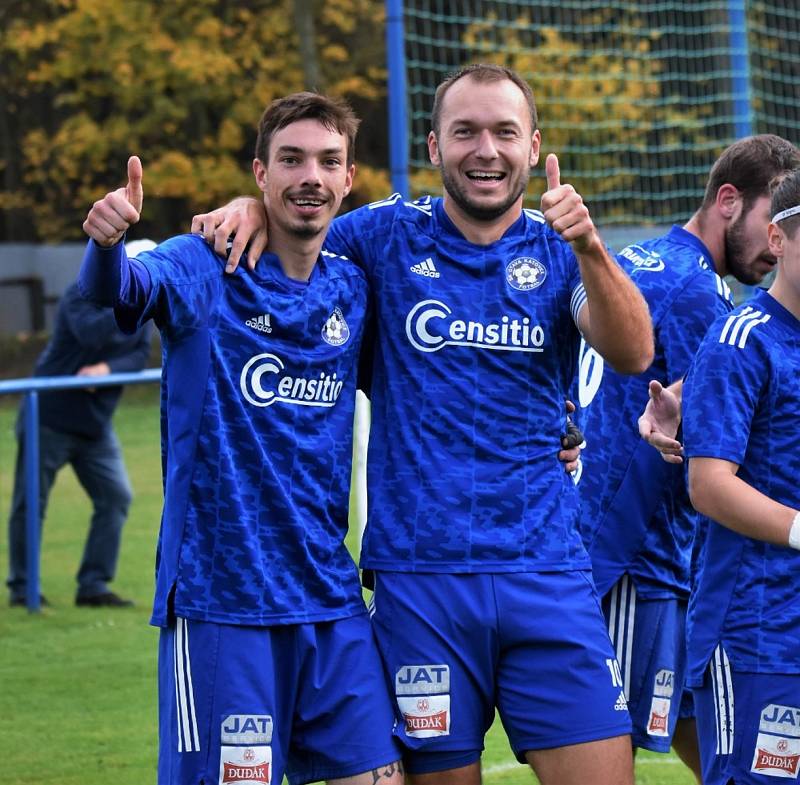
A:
[334,113]
[482,72]
[749,165]
[785,194]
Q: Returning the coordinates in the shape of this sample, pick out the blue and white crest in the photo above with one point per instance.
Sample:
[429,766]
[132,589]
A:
[525,273]
[336,332]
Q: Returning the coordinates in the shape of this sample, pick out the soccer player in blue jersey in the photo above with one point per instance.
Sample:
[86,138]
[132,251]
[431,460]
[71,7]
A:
[741,409]
[483,595]
[267,662]
[636,517]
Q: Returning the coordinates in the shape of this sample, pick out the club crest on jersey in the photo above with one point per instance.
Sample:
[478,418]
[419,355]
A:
[336,332]
[642,259]
[525,273]
[262,384]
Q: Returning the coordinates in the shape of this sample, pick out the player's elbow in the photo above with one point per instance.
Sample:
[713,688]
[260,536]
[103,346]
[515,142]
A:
[638,354]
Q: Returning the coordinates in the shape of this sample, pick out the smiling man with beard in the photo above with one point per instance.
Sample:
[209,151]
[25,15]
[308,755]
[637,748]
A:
[636,518]
[483,598]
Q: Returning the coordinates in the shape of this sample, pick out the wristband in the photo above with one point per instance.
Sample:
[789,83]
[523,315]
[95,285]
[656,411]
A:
[794,533]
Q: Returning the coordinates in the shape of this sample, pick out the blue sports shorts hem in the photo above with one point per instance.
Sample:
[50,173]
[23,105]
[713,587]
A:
[599,734]
[422,762]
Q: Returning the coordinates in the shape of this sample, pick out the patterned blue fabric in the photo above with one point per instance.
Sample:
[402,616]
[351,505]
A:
[636,517]
[741,404]
[475,349]
[258,393]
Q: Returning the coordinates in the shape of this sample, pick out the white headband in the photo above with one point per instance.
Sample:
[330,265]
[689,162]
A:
[786,213]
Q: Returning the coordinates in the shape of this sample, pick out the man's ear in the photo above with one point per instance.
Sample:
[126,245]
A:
[775,238]
[348,183]
[433,149]
[536,144]
[260,172]
[728,200]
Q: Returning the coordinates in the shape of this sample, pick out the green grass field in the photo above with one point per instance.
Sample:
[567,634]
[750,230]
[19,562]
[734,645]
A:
[77,685]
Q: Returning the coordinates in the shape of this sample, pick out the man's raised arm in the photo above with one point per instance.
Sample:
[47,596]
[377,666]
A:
[615,319]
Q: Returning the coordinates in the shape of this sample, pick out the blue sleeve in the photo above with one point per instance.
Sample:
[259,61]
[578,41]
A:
[720,398]
[360,235]
[685,323]
[108,278]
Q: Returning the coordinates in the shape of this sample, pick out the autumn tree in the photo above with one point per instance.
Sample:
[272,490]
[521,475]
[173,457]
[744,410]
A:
[182,84]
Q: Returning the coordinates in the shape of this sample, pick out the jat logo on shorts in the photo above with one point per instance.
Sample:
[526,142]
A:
[262,384]
[250,729]
[525,273]
[777,749]
[422,679]
[430,327]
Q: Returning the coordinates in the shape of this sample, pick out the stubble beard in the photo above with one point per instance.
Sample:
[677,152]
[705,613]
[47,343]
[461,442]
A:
[735,250]
[476,210]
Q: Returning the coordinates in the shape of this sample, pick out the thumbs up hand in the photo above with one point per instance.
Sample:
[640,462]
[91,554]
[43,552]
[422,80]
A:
[110,217]
[564,210]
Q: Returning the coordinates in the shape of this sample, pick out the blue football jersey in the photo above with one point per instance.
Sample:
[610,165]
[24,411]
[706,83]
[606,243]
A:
[475,349]
[635,516]
[742,404]
[258,391]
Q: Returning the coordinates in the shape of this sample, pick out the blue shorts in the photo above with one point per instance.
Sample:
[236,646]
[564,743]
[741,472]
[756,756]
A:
[748,725]
[686,711]
[248,704]
[532,645]
[649,637]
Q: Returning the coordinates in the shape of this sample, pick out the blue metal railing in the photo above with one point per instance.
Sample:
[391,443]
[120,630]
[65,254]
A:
[31,388]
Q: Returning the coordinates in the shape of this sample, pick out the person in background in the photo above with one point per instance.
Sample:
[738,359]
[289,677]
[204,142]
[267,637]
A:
[636,518]
[741,410]
[75,428]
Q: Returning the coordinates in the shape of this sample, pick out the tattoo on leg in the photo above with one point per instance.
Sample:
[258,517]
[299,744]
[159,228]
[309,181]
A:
[387,772]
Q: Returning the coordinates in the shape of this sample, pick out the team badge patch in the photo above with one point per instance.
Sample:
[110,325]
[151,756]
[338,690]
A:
[423,697]
[777,752]
[336,332]
[525,273]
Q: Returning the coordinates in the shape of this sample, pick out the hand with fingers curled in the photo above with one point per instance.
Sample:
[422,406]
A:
[111,216]
[564,210]
[245,220]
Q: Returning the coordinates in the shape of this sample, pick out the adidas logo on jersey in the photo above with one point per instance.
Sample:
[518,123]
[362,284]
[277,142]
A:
[426,268]
[260,323]
[621,704]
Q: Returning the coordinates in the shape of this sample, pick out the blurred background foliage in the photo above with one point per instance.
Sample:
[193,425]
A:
[86,83]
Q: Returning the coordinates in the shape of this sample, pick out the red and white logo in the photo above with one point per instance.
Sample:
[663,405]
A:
[434,722]
[425,716]
[767,761]
[658,724]
[776,756]
[245,765]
